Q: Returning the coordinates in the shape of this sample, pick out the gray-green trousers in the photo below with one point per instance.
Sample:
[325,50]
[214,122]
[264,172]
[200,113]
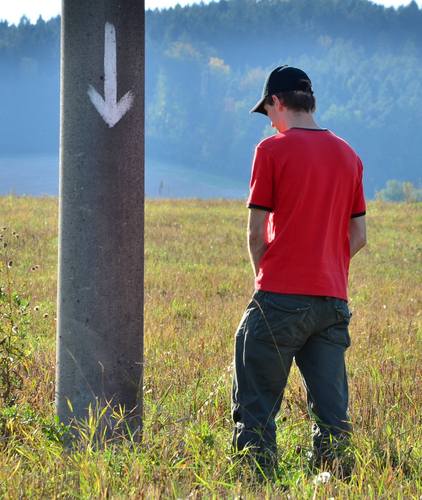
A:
[274,329]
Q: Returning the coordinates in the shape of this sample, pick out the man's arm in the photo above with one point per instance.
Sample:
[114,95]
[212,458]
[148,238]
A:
[357,234]
[256,236]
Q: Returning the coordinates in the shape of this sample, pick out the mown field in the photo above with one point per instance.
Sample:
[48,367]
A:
[198,281]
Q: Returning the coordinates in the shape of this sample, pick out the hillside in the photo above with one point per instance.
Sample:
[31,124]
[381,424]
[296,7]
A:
[205,69]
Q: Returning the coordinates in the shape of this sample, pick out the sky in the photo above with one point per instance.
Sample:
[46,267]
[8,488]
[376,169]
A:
[13,10]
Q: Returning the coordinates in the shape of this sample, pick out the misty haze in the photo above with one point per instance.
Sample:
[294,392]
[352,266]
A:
[204,70]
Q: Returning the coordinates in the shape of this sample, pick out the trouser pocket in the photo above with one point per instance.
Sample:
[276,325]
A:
[281,319]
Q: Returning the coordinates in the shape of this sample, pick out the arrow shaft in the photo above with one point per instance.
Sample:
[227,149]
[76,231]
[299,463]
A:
[110,64]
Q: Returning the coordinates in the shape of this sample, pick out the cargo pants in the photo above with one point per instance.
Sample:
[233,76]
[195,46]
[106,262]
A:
[274,329]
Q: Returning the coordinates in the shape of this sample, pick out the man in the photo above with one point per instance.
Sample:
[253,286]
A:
[306,220]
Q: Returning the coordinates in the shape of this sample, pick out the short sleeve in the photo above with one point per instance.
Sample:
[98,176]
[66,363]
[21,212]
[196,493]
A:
[359,205]
[261,183]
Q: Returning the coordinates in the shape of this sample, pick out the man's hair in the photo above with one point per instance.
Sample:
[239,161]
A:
[296,100]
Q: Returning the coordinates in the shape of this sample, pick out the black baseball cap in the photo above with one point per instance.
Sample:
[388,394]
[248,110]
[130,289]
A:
[282,79]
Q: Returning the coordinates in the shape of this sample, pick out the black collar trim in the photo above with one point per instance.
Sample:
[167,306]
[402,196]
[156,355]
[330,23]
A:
[311,129]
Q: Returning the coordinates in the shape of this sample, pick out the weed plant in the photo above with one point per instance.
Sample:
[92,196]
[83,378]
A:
[198,282]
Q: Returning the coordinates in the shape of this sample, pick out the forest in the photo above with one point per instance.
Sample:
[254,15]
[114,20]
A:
[205,68]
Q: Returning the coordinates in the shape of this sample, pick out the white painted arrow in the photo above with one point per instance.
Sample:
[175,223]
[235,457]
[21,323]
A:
[109,108]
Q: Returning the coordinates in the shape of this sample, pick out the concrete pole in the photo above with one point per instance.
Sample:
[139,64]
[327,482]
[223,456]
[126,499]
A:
[101,211]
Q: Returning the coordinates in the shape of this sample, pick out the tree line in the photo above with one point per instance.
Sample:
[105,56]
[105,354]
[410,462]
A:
[205,67]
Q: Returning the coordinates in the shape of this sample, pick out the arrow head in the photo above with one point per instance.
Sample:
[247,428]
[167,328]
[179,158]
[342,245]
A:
[111,112]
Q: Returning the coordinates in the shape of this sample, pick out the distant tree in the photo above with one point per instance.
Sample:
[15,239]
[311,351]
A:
[400,191]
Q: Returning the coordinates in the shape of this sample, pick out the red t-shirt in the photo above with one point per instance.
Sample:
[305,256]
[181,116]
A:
[311,183]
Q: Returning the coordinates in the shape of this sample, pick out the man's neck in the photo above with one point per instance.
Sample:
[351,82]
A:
[301,120]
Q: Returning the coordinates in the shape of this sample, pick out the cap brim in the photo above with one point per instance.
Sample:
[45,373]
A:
[259,107]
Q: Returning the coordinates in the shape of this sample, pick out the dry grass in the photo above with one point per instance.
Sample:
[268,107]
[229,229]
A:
[198,281]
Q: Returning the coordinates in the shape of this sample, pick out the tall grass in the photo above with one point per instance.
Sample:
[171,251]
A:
[198,282]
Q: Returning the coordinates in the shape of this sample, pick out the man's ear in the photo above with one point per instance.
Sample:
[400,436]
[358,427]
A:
[277,103]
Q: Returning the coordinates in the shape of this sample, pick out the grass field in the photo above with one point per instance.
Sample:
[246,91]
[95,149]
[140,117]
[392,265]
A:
[198,282]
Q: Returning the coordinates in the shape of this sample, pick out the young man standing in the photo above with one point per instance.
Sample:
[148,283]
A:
[306,221]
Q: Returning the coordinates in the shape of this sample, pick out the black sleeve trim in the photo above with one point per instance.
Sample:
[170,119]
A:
[251,205]
[357,215]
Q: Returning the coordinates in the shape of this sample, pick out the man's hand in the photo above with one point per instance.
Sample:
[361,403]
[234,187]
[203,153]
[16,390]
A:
[357,234]
[257,246]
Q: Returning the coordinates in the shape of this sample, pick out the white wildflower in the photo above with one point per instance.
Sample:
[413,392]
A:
[322,478]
